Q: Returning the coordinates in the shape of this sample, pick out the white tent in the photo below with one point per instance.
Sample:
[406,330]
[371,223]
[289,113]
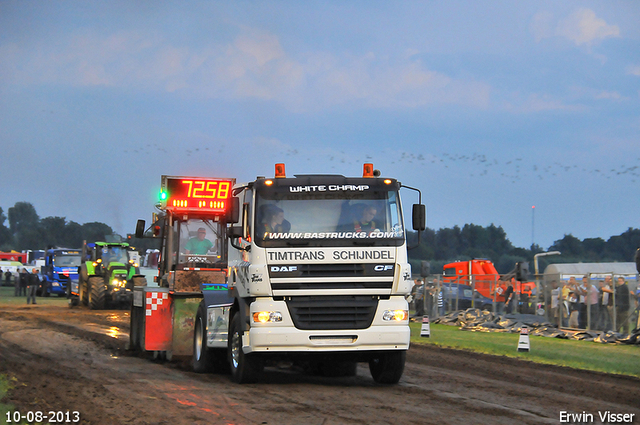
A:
[562,272]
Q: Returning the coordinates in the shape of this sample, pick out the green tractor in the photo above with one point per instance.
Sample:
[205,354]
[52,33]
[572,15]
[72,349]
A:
[106,275]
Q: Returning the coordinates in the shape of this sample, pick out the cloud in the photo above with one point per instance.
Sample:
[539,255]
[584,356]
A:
[633,70]
[542,26]
[540,103]
[612,95]
[253,65]
[582,27]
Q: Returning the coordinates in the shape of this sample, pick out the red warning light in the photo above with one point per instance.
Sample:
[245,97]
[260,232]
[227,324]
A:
[367,170]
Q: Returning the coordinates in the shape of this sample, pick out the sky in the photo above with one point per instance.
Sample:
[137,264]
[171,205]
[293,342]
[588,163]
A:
[489,108]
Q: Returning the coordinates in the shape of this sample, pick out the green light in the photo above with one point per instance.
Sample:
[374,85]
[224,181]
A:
[163,196]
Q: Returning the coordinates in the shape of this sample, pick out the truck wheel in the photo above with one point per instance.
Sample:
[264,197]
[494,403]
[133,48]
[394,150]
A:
[73,302]
[244,367]
[134,330]
[97,293]
[202,356]
[387,366]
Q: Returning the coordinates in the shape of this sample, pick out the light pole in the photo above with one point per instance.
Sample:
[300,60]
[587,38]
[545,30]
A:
[535,266]
[533,218]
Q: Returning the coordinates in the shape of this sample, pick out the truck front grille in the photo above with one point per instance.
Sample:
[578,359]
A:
[301,285]
[332,312]
[333,270]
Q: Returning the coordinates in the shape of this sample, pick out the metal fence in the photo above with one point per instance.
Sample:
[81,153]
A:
[440,295]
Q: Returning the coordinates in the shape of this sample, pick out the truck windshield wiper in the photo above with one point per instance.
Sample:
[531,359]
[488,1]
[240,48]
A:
[297,243]
[364,243]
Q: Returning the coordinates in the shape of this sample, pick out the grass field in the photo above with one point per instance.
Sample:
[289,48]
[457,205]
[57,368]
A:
[609,358]
[6,297]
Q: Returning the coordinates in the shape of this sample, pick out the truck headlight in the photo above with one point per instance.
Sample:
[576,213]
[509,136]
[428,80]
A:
[397,315]
[267,316]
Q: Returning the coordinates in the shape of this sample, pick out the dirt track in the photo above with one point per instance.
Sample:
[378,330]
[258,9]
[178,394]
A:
[65,359]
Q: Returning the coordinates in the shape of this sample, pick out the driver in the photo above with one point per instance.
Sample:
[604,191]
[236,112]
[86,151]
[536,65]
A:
[199,245]
[366,223]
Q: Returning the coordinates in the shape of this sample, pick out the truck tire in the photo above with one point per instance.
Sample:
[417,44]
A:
[387,366]
[82,289]
[135,343]
[202,356]
[97,293]
[245,368]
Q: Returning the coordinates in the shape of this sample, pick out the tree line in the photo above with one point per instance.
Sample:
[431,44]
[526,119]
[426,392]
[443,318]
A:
[26,230]
[472,241]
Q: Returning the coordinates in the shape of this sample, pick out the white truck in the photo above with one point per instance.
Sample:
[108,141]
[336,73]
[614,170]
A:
[315,271]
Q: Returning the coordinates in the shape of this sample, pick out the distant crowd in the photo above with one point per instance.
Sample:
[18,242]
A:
[25,283]
[603,306]
[590,304]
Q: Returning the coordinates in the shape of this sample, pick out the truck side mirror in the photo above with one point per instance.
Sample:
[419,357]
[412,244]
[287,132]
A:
[245,221]
[425,268]
[233,213]
[419,217]
[522,271]
[140,229]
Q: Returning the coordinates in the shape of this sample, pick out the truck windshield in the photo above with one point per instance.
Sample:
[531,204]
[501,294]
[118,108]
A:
[66,260]
[114,254]
[347,215]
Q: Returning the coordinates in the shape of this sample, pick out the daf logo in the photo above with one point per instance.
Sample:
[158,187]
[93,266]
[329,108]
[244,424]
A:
[383,268]
[276,269]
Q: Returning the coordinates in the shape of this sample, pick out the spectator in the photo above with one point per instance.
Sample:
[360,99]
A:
[16,283]
[638,307]
[591,312]
[497,294]
[440,301]
[23,282]
[33,281]
[606,304]
[582,303]
[7,278]
[565,306]
[572,302]
[555,303]
[429,293]
[622,304]
[508,298]
[418,298]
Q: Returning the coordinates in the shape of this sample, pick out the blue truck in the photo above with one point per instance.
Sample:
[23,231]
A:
[60,267]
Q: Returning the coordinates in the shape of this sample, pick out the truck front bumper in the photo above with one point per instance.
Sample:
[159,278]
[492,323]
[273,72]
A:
[283,336]
[374,338]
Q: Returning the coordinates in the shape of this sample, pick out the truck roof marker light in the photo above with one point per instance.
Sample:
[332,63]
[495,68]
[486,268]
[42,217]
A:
[367,170]
[387,181]
[280,173]
[268,182]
